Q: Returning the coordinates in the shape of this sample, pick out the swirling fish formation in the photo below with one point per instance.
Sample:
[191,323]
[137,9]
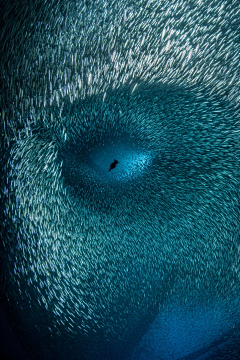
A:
[141,262]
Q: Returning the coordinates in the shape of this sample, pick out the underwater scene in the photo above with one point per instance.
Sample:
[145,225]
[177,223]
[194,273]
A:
[120,178]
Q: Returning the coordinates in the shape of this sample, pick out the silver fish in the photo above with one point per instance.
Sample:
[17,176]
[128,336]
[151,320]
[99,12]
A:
[141,262]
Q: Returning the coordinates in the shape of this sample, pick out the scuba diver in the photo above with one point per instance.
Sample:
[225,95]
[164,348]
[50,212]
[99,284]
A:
[113,165]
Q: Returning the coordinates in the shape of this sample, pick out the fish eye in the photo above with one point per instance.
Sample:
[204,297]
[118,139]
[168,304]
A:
[137,128]
[101,132]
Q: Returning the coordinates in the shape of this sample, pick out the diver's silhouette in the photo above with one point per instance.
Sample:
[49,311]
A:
[113,165]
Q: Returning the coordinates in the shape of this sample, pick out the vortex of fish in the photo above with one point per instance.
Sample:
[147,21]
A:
[103,265]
